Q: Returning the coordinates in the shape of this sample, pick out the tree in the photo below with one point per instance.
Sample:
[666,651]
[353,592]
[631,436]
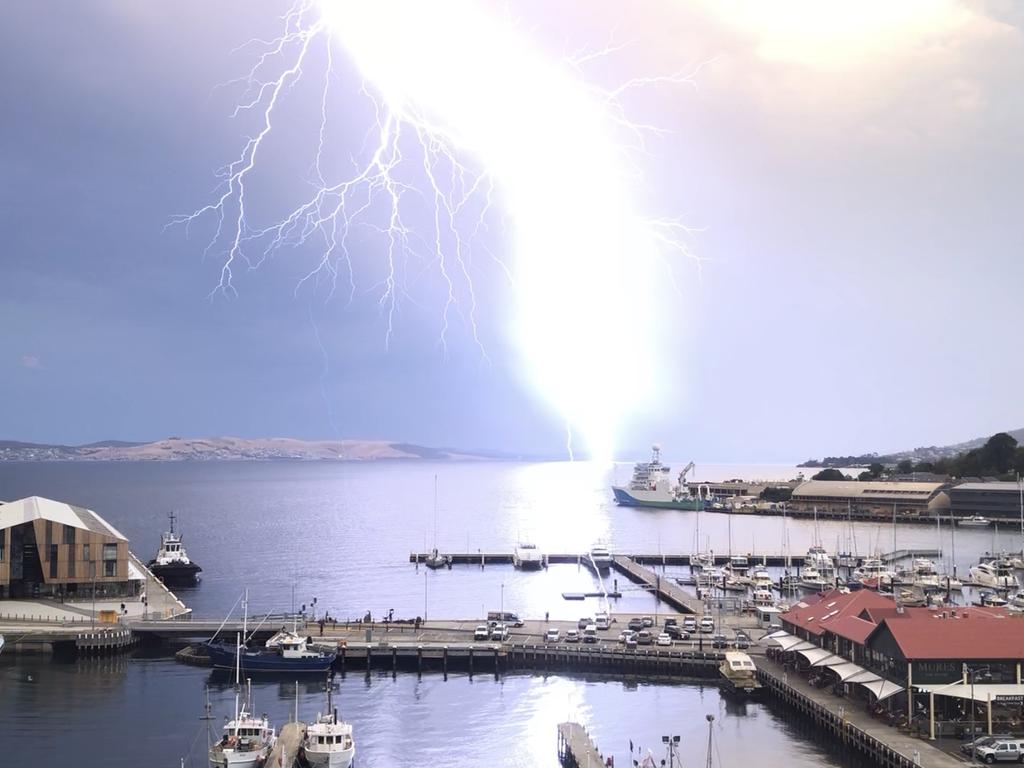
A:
[999,453]
[1018,461]
[829,474]
[905,467]
[876,469]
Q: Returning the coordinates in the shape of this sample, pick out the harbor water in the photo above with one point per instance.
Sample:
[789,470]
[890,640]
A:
[342,534]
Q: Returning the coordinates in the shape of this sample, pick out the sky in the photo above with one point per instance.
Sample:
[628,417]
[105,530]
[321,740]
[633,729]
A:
[851,175]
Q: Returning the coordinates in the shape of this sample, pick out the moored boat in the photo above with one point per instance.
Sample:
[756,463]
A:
[739,675]
[247,740]
[172,564]
[287,652]
[328,741]
[527,557]
[974,521]
[601,558]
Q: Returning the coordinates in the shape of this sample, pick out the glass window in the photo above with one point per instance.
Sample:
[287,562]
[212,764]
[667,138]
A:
[71,562]
[53,561]
[2,534]
[110,551]
[85,553]
[69,534]
[110,567]
[49,534]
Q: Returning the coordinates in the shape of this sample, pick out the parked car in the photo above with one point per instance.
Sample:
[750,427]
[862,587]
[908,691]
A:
[664,639]
[707,625]
[572,636]
[676,632]
[643,637]
[499,632]
[719,641]
[625,634]
[1002,751]
[636,624]
[741,641]
[671,622]
[647,621]
[690,623]
[631,641]
[482,632]
[505,617]
[590,633]
[982,741]
[584,622]
[601,621]
[552,635]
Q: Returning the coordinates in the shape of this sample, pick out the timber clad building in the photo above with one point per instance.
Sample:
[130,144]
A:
[51,549]
[996,501]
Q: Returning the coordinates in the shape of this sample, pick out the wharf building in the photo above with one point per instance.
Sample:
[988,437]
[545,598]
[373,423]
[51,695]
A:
[871,498]
[53,549]
[995,500]
[927,664]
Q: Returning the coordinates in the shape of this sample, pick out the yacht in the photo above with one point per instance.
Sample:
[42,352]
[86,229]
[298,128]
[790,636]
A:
[739,564]
[819,570]
[651,486]
[974,521]
[811,578]
[874,573]
[1015,604]
[992,600]
[527,557]
[601,558]
[995,574]
[922,574]
[247,740]
[702,560]
[763,598]
[172,564]
[762,579]
[436,560]
[328,741]
[739,675]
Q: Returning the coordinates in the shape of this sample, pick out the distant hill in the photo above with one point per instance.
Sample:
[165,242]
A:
[917,455]
[230,448]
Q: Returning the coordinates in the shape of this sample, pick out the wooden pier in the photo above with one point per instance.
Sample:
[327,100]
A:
[846,721]
[666,589]
[286,749]
[576,749]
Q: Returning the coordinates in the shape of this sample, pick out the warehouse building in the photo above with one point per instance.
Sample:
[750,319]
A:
[996,501]
[52,549]
[872,498]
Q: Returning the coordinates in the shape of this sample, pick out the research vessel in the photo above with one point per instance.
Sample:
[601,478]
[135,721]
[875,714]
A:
[652,486]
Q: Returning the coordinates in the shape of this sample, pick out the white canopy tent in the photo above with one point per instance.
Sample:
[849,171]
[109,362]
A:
[980,692]
[814,654]
[848,670]
[882,689]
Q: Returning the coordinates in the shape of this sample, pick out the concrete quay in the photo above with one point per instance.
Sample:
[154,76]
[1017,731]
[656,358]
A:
[575,747]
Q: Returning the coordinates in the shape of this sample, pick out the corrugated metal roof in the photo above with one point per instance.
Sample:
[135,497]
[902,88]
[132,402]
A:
[1001,487]
[961,639]
[830,607]
[842,489]
[39,508]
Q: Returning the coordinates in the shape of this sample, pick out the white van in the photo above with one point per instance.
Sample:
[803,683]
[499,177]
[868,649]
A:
[590,633]
[601,621]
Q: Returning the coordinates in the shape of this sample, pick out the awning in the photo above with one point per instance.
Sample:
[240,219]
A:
[863,677]
[882,689]
[829,661]
[847,670]
[775,635]
[815,654]
[788,642]
[1001,693]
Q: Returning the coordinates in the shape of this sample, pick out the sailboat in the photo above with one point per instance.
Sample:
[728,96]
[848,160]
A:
[247,740]
[435,559]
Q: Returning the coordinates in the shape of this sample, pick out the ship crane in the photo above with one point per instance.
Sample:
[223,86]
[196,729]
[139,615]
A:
[686,470]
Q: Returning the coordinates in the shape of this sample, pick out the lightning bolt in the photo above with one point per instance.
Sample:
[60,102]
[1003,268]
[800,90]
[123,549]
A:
[467,117]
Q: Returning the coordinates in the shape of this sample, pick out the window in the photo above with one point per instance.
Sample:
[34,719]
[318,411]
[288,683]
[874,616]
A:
[110,567]
[110,551]
[49,536]
[69,534]
[3,534]
[85,553]
[71,562]
[53,561]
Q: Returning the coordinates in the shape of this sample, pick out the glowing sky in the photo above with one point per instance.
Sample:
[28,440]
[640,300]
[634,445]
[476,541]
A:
[855,177]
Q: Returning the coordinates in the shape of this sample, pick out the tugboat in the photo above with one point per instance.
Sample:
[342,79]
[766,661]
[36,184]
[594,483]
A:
[328,742]
[171,564]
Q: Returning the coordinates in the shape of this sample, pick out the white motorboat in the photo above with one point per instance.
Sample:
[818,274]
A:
[702,560]
[761,579]
[247,740]
[1015,604]
[922,574]
[1,643]
[739,564]
[995,574]
[527,557]
[763,598]
[974,521]
[874,571]
[328,742]
[601,558]
[811,578]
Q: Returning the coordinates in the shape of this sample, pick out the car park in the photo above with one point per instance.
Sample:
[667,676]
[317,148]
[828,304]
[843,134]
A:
[636,624]
[601,621]
[482,632]
[719,641]
[671,622]
[590,633]
[552,635]
[631,641]
[664,639]
[572,636]
[643,637]
[981,741]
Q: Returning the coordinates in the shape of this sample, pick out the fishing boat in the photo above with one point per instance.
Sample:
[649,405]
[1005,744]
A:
[247,740]
[527,557]
[328,741]
[651,486]
[974,521]
[739,675]
[172,564]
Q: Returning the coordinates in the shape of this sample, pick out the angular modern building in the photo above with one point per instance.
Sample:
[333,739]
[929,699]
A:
[52,549]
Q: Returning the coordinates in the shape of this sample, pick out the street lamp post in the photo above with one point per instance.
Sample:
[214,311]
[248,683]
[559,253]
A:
[673,744]
[972,674]
[502,608]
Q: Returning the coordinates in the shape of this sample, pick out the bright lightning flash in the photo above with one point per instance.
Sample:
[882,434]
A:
[464,99]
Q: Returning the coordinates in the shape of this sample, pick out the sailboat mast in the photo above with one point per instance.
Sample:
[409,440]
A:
[238,676]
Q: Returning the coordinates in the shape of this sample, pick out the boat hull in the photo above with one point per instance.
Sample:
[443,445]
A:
[341,758]
[223,657]
[176,573]
[626,498]
[237,759]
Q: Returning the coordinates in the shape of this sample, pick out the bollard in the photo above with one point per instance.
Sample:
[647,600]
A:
[471,661]
[394,661]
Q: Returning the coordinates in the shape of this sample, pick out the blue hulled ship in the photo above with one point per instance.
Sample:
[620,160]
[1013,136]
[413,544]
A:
[284,652]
